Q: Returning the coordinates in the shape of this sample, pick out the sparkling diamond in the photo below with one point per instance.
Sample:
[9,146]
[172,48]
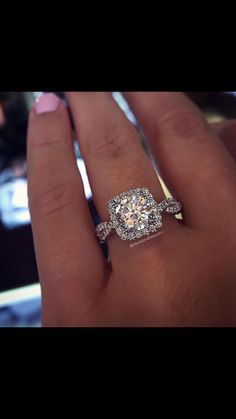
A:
[103,230]
[134,213]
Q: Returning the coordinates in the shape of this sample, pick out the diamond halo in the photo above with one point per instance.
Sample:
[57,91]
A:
[134,214]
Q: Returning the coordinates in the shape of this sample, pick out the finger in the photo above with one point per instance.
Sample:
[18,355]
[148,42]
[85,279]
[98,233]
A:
[190,156]
[62,227]
[226,130]
[114,157]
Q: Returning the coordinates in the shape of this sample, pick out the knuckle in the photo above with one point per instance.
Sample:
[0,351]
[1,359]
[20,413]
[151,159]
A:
[54,199]
[178,115]
[46,140]
[183,123]
[109,142]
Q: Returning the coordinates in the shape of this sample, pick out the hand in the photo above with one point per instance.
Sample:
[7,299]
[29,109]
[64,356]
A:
[184,277]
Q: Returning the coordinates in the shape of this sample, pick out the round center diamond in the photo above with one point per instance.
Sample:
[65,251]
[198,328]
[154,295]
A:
[134,212]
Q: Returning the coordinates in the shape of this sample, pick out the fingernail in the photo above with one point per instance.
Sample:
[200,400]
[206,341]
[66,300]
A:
[48,102]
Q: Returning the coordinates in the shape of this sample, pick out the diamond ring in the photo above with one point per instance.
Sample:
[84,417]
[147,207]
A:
[135,214]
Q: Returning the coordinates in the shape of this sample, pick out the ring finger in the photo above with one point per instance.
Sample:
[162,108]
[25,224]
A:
[113,154]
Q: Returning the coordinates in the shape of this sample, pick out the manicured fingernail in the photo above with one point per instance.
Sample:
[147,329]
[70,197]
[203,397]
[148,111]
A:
[48,102]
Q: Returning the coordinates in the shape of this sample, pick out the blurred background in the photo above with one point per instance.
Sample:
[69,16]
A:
[20,302]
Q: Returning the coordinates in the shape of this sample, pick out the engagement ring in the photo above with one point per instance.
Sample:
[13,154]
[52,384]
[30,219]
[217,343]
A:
[134,214]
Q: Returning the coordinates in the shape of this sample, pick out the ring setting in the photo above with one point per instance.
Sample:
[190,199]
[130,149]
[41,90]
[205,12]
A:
[135,214]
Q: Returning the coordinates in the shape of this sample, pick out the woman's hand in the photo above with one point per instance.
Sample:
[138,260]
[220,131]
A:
[184,277]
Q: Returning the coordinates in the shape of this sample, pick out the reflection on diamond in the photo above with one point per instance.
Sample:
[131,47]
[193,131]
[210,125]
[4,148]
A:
[134,212]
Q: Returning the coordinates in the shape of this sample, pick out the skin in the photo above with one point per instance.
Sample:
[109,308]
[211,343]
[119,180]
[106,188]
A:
[186,276]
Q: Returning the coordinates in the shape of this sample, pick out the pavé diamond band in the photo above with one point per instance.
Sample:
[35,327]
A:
[135,214]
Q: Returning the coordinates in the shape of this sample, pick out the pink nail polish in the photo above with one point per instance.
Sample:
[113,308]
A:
[48,102]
